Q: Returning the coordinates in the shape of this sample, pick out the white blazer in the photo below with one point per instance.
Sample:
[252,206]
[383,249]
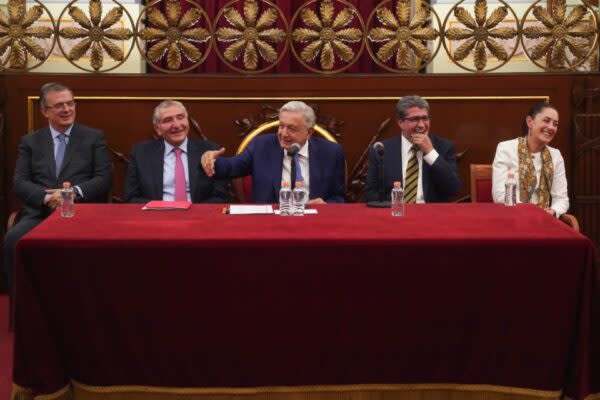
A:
[507,159]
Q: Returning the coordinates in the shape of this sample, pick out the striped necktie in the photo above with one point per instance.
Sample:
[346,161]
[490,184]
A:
[411,182]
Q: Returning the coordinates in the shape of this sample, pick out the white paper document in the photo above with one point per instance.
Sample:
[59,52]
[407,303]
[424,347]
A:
[245,209]
[306,211]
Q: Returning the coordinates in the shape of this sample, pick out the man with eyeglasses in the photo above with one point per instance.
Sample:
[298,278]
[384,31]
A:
[425,164]
[64,151]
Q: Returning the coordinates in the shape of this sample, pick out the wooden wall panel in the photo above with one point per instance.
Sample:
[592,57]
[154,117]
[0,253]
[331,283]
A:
[476,111]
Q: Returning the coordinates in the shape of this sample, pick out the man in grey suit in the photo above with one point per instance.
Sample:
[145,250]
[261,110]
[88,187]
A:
[61,152]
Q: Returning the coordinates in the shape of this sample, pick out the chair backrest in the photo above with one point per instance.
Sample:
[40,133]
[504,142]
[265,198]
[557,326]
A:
[243,186]
[481,183]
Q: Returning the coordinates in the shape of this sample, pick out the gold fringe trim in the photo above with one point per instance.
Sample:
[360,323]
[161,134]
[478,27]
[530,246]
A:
[326,392]
[441,391]
[22,393]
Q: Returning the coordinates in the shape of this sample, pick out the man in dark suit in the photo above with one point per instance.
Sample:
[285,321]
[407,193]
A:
[319,163]
[62,152]
[425,164]
[169,169]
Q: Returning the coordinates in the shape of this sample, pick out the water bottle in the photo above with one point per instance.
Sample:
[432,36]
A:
[510,189]
[67,203]
[397,200]
[285,199]
[299,197]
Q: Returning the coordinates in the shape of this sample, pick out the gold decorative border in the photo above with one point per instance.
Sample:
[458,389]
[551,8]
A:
[31,99]
[269,390]
[272,124]
[416,391]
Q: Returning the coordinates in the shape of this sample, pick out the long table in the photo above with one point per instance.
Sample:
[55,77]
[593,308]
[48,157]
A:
[460,300]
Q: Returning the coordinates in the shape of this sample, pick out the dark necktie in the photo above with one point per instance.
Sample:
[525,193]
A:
[60,151]
[296,171]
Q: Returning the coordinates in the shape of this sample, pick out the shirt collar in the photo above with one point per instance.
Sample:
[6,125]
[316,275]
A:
[183,146]
[55,133]
[406,144]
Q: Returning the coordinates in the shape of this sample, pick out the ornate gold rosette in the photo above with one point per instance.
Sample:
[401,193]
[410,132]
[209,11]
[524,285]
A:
[174,35]
[481,34]
[326,31]
[401,37]
[566,40]
[95,35]
[249,35]
[17,34]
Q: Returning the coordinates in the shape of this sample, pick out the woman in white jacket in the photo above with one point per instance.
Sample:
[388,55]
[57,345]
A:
[539,168]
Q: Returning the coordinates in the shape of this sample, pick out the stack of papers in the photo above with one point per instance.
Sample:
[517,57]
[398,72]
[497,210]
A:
[246,209]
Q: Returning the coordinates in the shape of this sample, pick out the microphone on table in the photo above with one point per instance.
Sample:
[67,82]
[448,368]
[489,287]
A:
[293,150]
[379,149]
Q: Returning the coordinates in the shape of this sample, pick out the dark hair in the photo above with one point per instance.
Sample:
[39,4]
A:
[51,87]
[407,102]
[533,111]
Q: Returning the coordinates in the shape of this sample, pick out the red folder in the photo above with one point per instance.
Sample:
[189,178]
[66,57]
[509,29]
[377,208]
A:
[167,205]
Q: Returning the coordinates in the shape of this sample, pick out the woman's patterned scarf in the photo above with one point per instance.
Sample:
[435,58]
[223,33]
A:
[527,180]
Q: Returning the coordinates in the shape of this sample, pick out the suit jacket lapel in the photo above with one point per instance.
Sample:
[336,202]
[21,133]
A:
[314,168]
[277,168]
[75,137]
[157,167]
[393,161]
[425,179]
[193,162]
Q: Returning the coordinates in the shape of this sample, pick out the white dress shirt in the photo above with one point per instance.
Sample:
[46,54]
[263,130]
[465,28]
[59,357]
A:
[303,161]
[169,171]
[429,159]
[507,159]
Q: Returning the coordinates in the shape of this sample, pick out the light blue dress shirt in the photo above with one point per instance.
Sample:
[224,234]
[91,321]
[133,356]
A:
[55,141]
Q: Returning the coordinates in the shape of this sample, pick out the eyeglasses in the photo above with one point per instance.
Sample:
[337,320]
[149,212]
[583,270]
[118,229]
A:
[414,120]
[60,106]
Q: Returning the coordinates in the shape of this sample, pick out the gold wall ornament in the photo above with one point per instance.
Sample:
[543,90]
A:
[17,34]
[254,36]
[95,34]
[399,37]
[173,36]
[481,34]
[563,39]
[329,34]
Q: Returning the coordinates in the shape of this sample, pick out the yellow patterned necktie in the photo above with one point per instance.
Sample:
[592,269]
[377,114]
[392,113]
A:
[411,182]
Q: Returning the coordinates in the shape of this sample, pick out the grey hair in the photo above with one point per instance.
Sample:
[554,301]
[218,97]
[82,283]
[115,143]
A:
[164,104]
[51,87]
[407,102]
[305,109]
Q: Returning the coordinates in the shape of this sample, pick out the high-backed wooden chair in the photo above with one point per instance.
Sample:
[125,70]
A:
[481,183]
[481,191]
[242,187]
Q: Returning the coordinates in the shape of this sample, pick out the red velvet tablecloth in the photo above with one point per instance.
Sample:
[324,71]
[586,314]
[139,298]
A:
[472,294]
